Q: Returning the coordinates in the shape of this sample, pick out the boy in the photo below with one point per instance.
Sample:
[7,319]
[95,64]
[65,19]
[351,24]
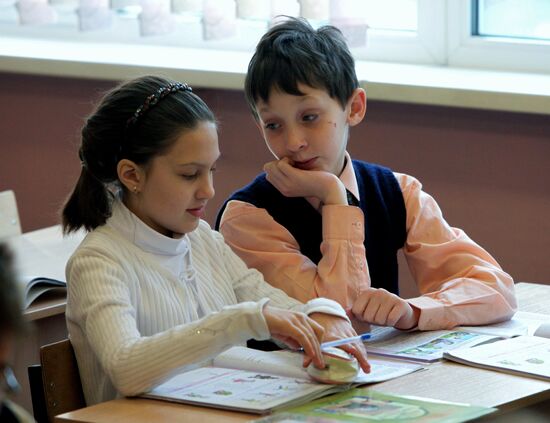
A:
[318,224]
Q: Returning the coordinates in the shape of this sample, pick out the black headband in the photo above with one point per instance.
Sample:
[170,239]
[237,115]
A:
[154,98]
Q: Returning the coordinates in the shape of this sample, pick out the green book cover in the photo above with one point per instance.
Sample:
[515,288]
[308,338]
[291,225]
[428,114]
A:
[362,404]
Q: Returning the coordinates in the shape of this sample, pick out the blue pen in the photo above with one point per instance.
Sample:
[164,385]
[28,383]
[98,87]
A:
[344,341]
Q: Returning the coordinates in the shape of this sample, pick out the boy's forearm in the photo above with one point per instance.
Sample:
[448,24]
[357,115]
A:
[275,253]
[334,193]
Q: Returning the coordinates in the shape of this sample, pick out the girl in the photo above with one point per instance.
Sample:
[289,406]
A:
[152,290]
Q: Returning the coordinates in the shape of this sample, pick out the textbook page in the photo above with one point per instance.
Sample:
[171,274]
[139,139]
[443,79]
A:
[40,259]
[366,405]
[39,271]
[283,363]
[255,392]
[525,355]
[421,346]
[288,363]
[522,323]
[543,330]
[259,381]
[42,287]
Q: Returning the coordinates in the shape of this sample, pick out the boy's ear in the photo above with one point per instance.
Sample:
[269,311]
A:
[130,175]
[357,106]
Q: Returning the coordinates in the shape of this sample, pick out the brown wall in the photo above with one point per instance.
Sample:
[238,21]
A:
[489,171]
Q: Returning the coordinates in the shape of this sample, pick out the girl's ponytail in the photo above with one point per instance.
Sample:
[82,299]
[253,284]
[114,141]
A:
[88,205]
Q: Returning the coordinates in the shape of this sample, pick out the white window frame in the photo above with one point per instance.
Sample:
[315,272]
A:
[443,38]
[471,51]
[423,72]
[426,46]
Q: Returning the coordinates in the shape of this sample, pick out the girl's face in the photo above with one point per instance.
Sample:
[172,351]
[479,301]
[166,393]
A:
[176,186]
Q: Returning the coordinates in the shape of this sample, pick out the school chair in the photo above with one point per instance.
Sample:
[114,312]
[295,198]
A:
[9,216]
[55,383]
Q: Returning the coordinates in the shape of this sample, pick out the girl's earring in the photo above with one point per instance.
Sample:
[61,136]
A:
[135,189]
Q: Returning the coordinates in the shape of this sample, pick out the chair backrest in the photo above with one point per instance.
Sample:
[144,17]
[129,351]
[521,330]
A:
[9,216]
[61,386]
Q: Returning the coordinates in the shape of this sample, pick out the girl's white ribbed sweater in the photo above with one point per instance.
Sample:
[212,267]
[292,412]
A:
[142,307]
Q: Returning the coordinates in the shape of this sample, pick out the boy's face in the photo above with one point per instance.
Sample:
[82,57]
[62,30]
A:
[310,130]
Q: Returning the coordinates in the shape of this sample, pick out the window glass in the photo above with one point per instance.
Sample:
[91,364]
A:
[528,19]
[394,15]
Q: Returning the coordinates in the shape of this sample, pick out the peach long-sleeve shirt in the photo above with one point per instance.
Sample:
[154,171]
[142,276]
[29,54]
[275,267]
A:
[459,282]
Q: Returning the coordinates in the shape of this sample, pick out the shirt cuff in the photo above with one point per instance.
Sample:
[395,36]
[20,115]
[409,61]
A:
[324,305]
[432,313]
[343,222]
[255,318]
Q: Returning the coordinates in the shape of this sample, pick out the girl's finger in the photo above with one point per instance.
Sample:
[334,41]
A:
[311,344]
[317,328]
[359,353]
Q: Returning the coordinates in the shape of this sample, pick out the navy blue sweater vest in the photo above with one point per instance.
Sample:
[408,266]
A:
[382,204]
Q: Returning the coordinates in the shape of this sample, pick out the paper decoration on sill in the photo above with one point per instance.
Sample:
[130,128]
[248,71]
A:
[121,4]
[280,8]
[219,19]
[36,12]
[315,9]
[155,18]
[349,17]
[94,15]
[253,9]
[62,2]
[94,4]
[187,6]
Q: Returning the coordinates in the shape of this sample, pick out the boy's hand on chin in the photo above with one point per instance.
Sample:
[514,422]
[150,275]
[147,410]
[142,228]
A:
[294,182]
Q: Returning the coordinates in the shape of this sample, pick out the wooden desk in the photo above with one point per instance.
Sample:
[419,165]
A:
[43,252]
[533,297]
[444,381]
[463,384]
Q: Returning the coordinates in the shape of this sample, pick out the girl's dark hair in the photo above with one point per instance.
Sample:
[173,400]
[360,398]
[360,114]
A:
[293,52]
[10,304]
[137,120]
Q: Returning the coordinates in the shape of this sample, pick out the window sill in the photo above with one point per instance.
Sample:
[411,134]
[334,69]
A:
[420,84]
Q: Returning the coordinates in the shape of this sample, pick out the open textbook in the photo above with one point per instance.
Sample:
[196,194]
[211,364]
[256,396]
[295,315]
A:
[361,404]
[428,346]
[256,381]
[524,355]
[41,287]
[40,259]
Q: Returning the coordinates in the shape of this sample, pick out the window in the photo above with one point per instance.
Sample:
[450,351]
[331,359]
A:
[499,34]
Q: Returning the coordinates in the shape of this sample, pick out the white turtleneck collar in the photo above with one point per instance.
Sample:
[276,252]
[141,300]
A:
[173,253]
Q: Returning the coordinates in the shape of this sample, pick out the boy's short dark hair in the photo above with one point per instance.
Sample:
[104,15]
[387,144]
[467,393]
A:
[292,53]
